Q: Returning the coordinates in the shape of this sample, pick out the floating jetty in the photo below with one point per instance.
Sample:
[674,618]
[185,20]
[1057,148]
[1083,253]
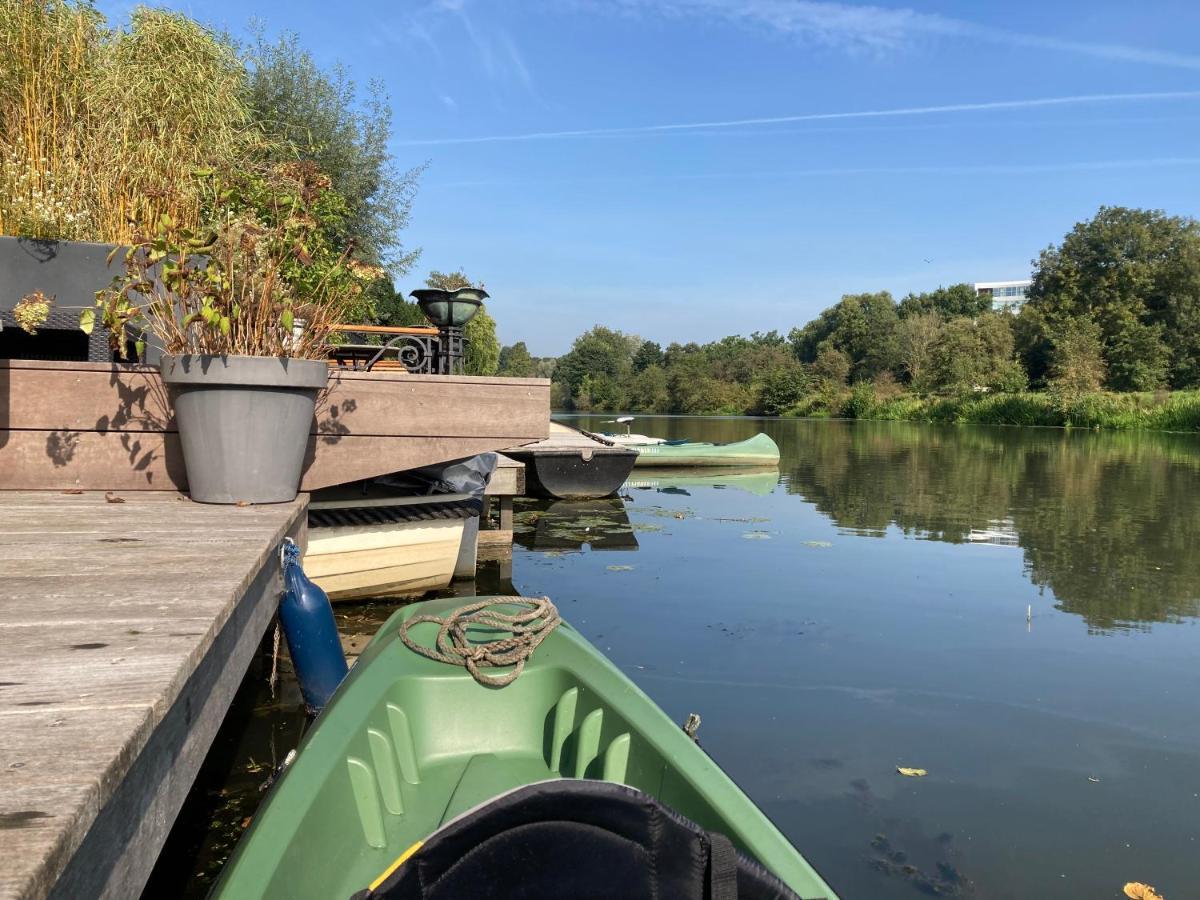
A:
[126,625]
[573,465]
[129,614]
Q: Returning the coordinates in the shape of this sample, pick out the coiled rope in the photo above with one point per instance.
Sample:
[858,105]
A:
[528,629]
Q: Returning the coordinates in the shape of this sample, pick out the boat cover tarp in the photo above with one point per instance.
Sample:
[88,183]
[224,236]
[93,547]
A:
[574,839]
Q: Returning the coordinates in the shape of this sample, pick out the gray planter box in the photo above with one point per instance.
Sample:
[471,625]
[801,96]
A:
[69,271]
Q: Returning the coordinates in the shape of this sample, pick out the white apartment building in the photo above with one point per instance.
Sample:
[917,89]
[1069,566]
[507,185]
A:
[1006,295]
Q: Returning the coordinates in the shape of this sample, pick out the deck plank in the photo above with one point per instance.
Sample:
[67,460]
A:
[112,619]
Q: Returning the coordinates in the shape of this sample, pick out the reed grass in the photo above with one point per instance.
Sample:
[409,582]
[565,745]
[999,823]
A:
[1159,411]
[103,130]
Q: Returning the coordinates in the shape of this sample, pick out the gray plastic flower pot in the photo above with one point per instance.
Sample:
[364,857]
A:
[244,423]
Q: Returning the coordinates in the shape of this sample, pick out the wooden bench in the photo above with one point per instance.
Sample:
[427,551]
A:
[367,356]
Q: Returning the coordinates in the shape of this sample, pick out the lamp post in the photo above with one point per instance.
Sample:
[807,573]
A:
[450,311]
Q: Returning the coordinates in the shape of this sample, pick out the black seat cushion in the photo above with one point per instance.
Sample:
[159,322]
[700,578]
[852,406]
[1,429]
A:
[583,840]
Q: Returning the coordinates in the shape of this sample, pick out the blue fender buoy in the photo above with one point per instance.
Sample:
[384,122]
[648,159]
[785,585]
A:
[306,617]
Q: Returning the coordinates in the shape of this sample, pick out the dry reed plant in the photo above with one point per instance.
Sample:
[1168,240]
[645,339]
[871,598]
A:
[101,131]
[227,291]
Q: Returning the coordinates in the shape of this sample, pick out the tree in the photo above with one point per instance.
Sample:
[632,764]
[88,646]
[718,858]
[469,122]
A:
[515,361]
[948,302]
[648,354]
[482,354]
[1077,359]
[861,326]
[973,353]
[390,307]
[832,367]
[1135,273]
[598,351]
[317,115]
[781,388]
[648,391]
[917,336]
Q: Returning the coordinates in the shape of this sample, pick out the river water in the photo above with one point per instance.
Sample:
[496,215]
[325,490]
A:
[1012,610]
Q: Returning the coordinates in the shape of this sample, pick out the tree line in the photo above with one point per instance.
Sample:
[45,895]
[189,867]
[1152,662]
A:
[1115,307]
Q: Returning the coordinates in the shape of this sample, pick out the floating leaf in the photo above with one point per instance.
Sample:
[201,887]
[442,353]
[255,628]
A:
[113,498]
[1138,891]
[756,535]
[818,544]
[911,773]
[620,568]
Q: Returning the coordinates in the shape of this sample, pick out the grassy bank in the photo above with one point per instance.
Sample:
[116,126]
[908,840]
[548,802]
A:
[1159,411]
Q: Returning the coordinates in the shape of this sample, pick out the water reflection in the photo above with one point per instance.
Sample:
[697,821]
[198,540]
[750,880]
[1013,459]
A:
[1106,520]
[564,525]
[678,481]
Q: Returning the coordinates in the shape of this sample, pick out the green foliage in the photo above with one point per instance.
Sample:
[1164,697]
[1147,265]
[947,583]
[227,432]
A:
[947,302]
[1117,306]
[832,367]
[780,388]
[515,361]
[648,354]
[241,287]
[1076,359]
[318,115]
[483,348]
[972,354]
[389,306]
[861,326]
[599,352]
[1136,274]
[861,403]
[917,336]
[647,391]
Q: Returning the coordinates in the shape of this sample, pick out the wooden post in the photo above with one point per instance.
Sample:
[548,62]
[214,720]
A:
[506,513]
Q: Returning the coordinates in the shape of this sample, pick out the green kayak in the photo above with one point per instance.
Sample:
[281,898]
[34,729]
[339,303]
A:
[759,450]
[409,744]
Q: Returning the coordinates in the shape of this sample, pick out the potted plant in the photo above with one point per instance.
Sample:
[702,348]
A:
[450,309]
[224,306]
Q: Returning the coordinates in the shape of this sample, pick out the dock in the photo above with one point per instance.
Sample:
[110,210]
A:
[127,623]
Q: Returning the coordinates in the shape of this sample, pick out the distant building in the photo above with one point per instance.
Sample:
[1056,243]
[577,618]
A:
[1006,295]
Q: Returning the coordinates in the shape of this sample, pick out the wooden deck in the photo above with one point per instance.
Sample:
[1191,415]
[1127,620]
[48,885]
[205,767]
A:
[125,629]
[104,427]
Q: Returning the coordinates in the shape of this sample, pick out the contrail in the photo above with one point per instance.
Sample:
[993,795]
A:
[984,169]
[1076,100]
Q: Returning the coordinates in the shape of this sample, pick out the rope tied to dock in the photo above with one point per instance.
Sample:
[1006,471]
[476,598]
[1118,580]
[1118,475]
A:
[527,629]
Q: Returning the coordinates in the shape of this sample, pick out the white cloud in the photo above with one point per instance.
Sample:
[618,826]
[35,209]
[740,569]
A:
[442,24]
[873,29]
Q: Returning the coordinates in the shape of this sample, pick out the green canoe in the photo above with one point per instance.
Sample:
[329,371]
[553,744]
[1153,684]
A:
[409,743]
[759,450]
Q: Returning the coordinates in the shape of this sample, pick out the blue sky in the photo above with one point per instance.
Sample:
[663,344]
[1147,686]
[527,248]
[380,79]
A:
[686,169]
